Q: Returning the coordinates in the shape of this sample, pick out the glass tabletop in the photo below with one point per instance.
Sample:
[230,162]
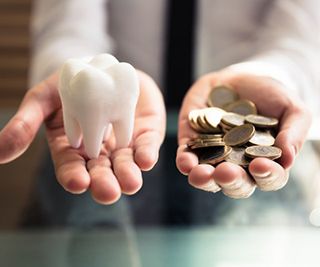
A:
[195,246]
[169,223]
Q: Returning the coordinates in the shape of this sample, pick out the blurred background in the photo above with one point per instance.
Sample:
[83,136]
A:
[187,245]
[14,50]
[17,178]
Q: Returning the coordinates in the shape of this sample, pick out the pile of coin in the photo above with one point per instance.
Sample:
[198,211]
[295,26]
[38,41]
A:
[230,129]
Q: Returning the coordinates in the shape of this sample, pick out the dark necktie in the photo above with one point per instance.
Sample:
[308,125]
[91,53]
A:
[178,76]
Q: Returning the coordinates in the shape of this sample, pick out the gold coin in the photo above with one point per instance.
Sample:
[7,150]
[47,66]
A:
[215,130]
[192,142]
[203,141]
[225,128]
[261,121]
[196,142]
[193,114]
[237,156]
[194,125]
[192,117]
[273,132]
[209,136]
[209,140]
[214,156]
[232,119]
[239,135]
[207,144]
[213,116]
[222,95]
[262,139]
[205,128]
[243,107]
[223,125]
[270,152]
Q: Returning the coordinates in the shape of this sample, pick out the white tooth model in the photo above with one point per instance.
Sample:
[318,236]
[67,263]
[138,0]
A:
[94,93]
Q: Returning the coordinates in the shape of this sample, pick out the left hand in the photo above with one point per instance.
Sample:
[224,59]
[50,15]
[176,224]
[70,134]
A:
[271,99]
[115,171]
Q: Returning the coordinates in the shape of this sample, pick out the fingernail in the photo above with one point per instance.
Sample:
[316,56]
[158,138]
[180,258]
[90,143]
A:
[235,184]
[243,189]
[262,174]
[211,186]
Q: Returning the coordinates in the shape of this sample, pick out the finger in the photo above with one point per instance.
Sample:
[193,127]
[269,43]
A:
[234,180]
[70,165]
[147,146]
[201,177]
[105,188]
[18,134]
[293,131]
[194,99]
[185,160]
[126,170]
[269,175]
[149,124]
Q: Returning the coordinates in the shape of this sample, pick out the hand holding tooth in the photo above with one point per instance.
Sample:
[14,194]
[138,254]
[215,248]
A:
[117,169]
[94,94]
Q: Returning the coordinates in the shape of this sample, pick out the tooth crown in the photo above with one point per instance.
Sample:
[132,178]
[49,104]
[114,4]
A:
[94,93]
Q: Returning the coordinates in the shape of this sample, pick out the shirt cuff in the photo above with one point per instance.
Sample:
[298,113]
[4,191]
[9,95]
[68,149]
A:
[268,70]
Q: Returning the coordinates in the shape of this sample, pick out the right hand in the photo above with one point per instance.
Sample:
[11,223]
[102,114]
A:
[115,171]
[273,100]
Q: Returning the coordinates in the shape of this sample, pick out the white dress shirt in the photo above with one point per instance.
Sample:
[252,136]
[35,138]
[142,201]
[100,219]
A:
[277,38]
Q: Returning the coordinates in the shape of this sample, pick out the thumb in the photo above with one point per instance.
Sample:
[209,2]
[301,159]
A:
[38,104]
[295,124]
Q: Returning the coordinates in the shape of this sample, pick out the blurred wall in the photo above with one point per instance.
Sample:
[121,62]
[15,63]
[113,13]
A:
[16,178]
[14,49]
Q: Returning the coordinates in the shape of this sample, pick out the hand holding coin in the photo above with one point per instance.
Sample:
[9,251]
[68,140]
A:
[258,129]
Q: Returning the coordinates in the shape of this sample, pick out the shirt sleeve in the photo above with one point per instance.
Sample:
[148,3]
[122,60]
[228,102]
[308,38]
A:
[62,29]
[289,49]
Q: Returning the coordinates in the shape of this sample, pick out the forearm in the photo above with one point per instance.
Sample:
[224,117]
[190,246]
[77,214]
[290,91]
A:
[64,29]
[290,48]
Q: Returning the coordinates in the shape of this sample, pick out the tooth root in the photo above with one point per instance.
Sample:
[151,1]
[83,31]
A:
[96,91]
[92,137]
[123,131]
[72,130]
[128,88]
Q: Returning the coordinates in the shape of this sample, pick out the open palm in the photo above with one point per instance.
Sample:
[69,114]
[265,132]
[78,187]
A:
[272,100]
[114,171]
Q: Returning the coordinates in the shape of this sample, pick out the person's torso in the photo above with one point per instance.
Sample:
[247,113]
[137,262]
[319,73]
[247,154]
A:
[226,32]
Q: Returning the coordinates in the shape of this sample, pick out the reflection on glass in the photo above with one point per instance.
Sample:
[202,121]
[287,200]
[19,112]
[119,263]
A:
[268,229]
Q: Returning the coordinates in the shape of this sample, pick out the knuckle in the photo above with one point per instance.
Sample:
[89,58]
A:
[24,127]
[20,135]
